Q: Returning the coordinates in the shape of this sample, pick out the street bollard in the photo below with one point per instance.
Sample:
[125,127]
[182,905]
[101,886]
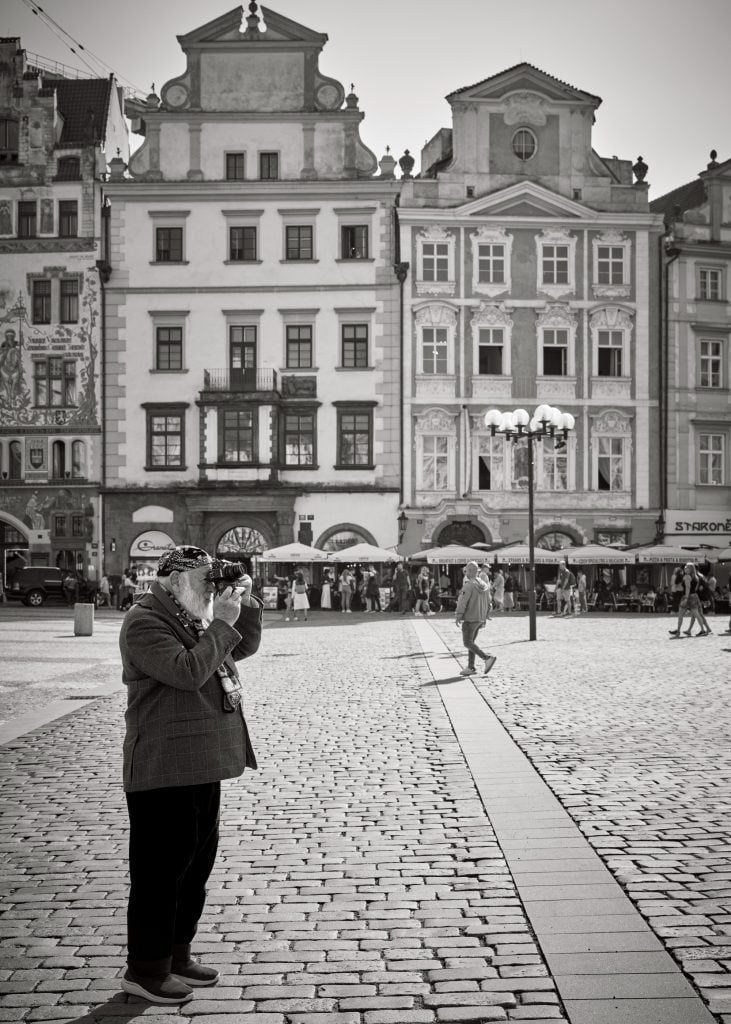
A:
[83,620]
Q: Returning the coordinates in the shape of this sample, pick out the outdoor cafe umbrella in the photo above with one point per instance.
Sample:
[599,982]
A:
[448,554]
[596,554]
[519,554]
[721,556]
[363,553]
[294,552]
[663,554]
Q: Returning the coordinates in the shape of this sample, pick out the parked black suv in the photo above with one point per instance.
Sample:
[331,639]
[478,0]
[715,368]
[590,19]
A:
[38,583]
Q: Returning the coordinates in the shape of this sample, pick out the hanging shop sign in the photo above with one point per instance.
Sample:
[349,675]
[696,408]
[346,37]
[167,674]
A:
[698,525]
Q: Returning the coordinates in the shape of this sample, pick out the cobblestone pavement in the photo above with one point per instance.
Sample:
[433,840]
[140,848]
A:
[631,732]
[359,880]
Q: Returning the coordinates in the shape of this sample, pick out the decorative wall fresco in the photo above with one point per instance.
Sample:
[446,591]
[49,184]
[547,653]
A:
[23,343]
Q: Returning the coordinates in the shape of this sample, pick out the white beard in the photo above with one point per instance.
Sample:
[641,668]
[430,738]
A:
[198,606]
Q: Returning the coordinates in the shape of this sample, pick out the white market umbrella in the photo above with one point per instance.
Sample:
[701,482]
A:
[664,554]
[363,553]
[596,554]
[448,554]
[721,556]
[519,554]
[294,552]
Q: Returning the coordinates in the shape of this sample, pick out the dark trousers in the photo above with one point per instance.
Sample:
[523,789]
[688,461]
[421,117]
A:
[172,847]
[469,635]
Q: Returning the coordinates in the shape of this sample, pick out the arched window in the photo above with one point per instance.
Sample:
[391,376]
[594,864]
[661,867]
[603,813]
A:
[524,144]
[15,463]
[555,540]
[78,459]
[58,463]
[242,542]
[344,539]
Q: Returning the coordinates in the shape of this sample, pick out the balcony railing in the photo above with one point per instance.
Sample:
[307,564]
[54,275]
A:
[263,378]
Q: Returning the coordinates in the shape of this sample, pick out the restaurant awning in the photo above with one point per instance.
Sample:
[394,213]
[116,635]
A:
[596,554]
[448,554]
[664,554]
[363,553]
[294,552]
[519,554]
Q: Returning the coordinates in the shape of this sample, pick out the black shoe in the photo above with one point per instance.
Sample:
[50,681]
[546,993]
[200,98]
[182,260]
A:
[189,971]
[674,632]
[162,989]
[489,662]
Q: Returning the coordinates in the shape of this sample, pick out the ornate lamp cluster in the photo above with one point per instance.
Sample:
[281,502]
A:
[545,422]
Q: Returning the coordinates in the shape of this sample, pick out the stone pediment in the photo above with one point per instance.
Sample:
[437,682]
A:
[524,78]
[525,199]
[227,28]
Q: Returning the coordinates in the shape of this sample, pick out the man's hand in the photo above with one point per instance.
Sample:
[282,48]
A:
[227,605]
[458,622]
[244,586]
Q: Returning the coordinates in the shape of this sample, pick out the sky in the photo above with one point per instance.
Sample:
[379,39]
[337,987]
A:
[660,66]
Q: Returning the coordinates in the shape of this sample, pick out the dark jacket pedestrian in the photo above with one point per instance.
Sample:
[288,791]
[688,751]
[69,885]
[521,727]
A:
[185,732]
[471,614]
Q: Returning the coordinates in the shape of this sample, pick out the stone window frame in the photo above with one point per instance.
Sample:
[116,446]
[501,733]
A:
[435,234]
[707,266]
[221,461]
[241,218]
[355,316]
[615,240]
[493,316]
[298,318]
[557,316]
[436,422]
[491,236]
[355,407]
[169,219]
[482,434]
[234,153]
[436,315]
[355,217]
[169,318]
[299,217]
[611,318]
[713,339]
[614,424]
[717,431]
[153,409]
[554,236]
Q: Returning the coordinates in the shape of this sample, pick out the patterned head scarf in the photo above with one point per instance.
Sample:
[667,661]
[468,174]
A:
[182,559]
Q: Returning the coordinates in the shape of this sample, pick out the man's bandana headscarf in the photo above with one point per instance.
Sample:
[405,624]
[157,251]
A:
[182,559]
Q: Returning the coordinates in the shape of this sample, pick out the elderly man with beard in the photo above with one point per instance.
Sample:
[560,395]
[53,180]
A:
[185,733]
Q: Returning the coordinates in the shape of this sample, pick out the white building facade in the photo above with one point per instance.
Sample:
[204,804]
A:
[253,370]
[533,279]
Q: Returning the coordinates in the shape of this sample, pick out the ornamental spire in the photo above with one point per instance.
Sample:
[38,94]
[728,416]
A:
[252,22]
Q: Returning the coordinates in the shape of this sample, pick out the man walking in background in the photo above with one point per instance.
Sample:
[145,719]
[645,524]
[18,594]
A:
[471,614]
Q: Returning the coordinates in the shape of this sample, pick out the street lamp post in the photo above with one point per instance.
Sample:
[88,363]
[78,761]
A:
[545,422]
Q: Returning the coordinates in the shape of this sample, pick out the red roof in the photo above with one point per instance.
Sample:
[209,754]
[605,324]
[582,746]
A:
[84,103]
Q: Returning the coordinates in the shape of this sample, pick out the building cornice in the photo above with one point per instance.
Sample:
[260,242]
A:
[420,215]
[256,191]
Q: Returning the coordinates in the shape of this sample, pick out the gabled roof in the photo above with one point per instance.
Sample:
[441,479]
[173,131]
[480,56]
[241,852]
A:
[84,103]
[685,197]
[524,70]
[226,29]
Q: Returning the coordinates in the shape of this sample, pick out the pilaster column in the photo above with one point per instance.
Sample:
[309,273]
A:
[194,153]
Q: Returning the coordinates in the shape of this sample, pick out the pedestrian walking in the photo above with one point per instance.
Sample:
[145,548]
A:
[372,592]
[185,732]
[70,586]
[677,588]
[104,595]
[326,591]
[690,604]
[300,600]
[401,589]
[565,584]
[471,614]
[423,587]
[345,587]
[509,593]
[126,591]
[498,590]
[581,591]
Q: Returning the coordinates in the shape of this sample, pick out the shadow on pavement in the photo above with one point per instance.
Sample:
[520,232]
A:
[118,1009]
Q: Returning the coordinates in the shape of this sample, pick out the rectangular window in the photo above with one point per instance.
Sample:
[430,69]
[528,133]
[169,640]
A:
[491,264]
[555,264]
[710,459]
[434,350]
[555,352]
[235,166]
[169,245]
[354,242]
[711,363]
[435,463]
[299,242]
[8,140]
[610,464]
[355,345]
[68,217]
[54,382]
[491,464]
[609,353]
[41,290]
[355,446]
[710,283]
[242,244]
[169,348]
[554,465]
[299,439]
[237,436]
[68,169]
[59,526]
[299,347]
[490,351]
[27,219]
[69,296]
[435,261]
[269,166]
[77,526]
[165,440]
[610,264]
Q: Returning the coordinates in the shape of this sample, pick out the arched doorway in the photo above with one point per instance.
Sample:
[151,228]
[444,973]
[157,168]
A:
[342,536]
[466,533]
[241,544]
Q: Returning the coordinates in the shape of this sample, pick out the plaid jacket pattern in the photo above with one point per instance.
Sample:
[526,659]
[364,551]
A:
[177,733]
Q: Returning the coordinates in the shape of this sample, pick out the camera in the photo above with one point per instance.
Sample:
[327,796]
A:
[227,574]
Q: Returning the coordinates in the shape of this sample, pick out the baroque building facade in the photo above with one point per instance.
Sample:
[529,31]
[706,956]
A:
[56,136]
[253,332]
[696,379]
[533,279]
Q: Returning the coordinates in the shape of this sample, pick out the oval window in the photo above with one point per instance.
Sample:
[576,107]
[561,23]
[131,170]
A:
[524,144]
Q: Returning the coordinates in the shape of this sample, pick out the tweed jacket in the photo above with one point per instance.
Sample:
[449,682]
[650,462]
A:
[177,731]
